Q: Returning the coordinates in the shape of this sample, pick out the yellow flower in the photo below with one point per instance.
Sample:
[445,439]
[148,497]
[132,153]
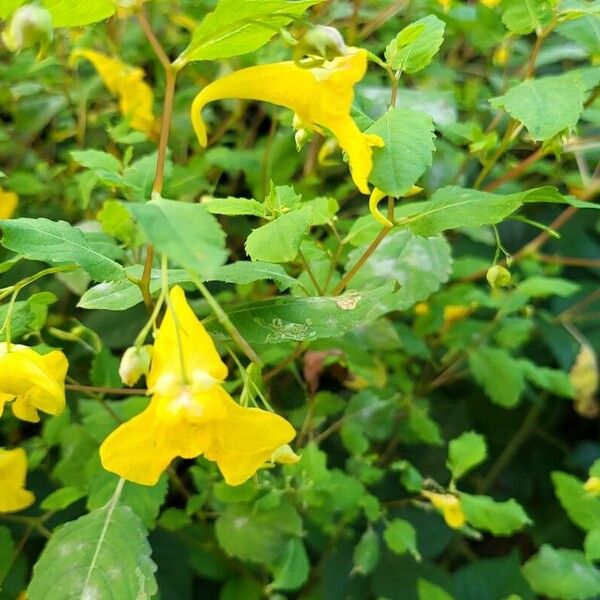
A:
[13,470]
[32,381]
[592,486]
[321,97]
[450,507]
[190,413]
[135,95]
[490,3]
[8,204]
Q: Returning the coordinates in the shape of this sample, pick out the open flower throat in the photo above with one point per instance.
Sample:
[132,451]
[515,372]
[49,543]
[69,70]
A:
[321,97]
[190,413]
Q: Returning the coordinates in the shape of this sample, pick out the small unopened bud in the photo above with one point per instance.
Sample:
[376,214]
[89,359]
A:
[498,276]
[326,42]
[135,363]
[592,486]
[301,136]
[285,455]
[30,25]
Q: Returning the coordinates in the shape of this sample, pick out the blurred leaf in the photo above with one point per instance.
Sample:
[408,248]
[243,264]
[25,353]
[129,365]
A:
[75,13]
[366,552]
[243,271]
[525,16]
[592,545]
[583,508]
[430,591]
[499,518]
[293,568]
[564,574]
[234,206]
[62,498]
[466,452]
[400,537]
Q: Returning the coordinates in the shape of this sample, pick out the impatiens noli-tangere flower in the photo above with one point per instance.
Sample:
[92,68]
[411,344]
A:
[321,98]
[190,413]
[32,382]
[13,470]
[450,507]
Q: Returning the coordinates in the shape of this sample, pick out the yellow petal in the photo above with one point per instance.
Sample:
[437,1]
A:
[182,339]
[143,447]
[243,441]
[8,204]
[320,97]
[13,470]
[376,197]
[135,96]
[450,507]
[35,380]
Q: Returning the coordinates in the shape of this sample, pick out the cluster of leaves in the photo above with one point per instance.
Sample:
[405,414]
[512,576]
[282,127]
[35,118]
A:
[402,368]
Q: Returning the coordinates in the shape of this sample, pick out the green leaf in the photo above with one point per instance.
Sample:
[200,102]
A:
[555,381]
[453,207]
[286,319]
[117,222]
[429,591]
[539,286]
[234,206]
[592,545]
[258,535]
[546,106]
[279,240]
[57,242]
[75,13]
[293,568]
[561,573]
[584,31]
[366,552]
[96,160]
[110,540]
[466,452]
[500,375]
[62,498]
[499,518]
[28,315]
[408,136]
[235,28]
[419,266]
[8,6]
[244,271]
[583,508]
[187,233]
[524,16]
[400,537]
[416,45]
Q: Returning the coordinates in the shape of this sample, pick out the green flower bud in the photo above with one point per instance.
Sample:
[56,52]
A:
[29,25]
[135,363]
[498,276]
[323,41]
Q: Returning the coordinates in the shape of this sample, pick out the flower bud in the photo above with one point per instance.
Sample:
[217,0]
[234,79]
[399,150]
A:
[30,25]
[285,455]
[324,41]
[498,276]
[135,363]
[592,486]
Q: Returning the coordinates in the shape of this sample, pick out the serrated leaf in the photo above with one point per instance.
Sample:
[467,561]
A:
[108,557]
[416,45]
[419,266]
[286,319]
[75,13]
[562,574]
[453,207]
[234,206]
[525,16]
[499,518]
[408,147]
[546,106]
[279,241]
[187,233]
[466,452]
[583,508]
[57,242]
[244,271]
[400,537]
[235,28]
[500,375]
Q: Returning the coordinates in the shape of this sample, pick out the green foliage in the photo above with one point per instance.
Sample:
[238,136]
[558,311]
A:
[465,453]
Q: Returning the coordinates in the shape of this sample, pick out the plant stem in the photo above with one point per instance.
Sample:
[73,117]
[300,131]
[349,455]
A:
[310,273]
[341,286]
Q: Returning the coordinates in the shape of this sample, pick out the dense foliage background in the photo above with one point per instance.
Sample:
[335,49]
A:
[410,374]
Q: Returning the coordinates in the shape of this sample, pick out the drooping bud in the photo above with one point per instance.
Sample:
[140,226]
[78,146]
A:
[498,276]
[135,363]
[322,41]
[285,455]
[30,25]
